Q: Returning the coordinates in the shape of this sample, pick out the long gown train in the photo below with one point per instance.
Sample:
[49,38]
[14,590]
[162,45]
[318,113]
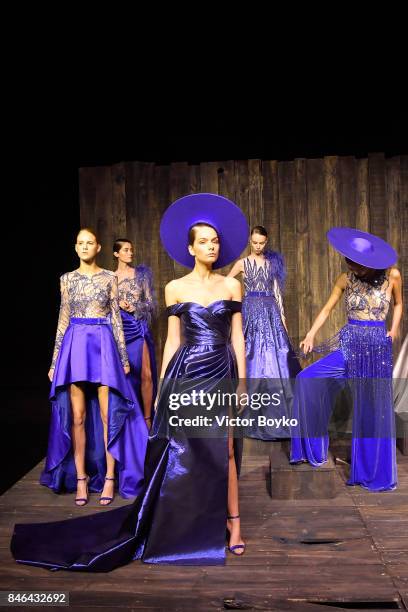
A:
[180,516]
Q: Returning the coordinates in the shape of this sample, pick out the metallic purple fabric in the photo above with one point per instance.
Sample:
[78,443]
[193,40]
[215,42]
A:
[89,354]
[137,332]
[180,516]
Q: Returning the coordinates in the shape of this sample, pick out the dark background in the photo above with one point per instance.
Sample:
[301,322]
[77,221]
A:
[50,142]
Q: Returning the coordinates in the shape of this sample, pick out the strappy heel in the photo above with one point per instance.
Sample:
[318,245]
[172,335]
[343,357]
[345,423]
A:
[106,498]
[235,547]
[84,500]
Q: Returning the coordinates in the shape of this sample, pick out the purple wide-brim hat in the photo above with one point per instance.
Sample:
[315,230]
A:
[362,248]
[221,213]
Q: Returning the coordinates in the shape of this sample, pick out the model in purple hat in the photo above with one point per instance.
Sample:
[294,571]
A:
[190,494]
[362,357]
[137,305]
[270,359]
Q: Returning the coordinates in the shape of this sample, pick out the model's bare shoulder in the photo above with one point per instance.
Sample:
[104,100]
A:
[232,282]
[171,291]
[395,274]
[341,281]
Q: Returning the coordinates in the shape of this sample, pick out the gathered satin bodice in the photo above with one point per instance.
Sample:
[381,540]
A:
[365,302]
[205,325]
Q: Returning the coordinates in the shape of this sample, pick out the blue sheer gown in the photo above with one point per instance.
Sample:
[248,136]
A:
[180,516]
[138,291]
[271,363]
[360,360]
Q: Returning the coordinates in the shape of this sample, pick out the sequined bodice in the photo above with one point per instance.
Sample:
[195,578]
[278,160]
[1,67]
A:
[129,291]
[95,296]
[138,291]
[258,277]
[262,279]
[205,324]
[366,302]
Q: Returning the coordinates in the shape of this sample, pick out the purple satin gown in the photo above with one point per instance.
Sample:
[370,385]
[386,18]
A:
[361,359]
[90,348]
[180,516]
[270,360]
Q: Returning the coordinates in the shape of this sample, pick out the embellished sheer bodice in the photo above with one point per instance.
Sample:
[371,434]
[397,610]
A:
[364,301]
[258,277]
[261,278]
[93,297]
[138,291]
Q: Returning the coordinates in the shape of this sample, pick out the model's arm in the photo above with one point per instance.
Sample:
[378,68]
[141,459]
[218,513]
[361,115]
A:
[307,344]
[63,322]
[278,297]
[146,304]
[237,336]
[395,277]
[237,268]
[173,329]
[117,327]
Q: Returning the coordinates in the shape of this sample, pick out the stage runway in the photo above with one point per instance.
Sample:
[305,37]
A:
[351,549]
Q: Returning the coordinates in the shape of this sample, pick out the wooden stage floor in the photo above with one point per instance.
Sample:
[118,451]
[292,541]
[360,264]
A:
[350,552]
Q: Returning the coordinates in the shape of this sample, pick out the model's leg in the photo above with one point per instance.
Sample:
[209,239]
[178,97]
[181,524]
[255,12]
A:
[146,385]
[233,524]
[109,486]
[78,406]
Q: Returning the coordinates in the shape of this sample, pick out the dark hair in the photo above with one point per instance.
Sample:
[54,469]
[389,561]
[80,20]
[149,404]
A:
[259,229]
[90,231]
[377,270]
[377,276]
[191,231]
[119,242]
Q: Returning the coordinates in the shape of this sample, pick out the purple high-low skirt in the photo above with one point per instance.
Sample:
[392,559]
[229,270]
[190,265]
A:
[89,354]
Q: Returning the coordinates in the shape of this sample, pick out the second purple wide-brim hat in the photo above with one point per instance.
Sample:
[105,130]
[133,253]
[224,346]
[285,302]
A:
[221,213]
[362,248]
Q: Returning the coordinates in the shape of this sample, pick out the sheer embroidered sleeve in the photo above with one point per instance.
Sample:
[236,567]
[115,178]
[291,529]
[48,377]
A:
[63,318]
[116,321]
[278,297]
[146,305]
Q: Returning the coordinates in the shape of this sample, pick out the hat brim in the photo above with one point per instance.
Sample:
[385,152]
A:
[379,256]
[216,210]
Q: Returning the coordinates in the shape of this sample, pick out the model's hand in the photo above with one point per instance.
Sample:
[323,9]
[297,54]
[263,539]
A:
[51,374]
[126,369]
[242,393]
[307,344]
[393,335]
[124,304]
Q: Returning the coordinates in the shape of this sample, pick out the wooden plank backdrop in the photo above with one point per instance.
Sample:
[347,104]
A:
[297,201]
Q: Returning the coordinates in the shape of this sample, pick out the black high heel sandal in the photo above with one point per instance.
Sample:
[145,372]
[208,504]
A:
[83,499]
[232,549]
[106,498]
